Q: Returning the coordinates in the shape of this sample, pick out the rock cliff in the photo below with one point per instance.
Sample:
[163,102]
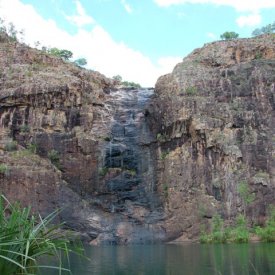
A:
[70,140]
[137,166]
[214,121]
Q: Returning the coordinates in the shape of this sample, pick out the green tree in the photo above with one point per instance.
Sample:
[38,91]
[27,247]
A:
[64,54]
[270,28]
[245,194]
[80,62]
[117,78]
[229,35]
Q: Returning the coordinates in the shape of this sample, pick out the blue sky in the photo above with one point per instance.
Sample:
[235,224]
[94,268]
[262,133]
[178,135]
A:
[138,39]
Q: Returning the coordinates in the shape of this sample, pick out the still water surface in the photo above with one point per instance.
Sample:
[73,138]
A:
[175,259]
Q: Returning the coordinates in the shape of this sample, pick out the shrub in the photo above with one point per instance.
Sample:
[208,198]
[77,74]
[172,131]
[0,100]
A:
[54,157]
[270,28]
[267,233]
[103,171]
[163,155]
[24,128]
[240,233]
[218,234]
[245,194]
[25,238]
[229,35]
[64,54]
[191,90]
[11,146]
[32,148]
[165,190]
[3,169]
[80,62]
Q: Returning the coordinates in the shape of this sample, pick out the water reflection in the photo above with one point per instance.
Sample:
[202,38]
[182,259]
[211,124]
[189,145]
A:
[173,259]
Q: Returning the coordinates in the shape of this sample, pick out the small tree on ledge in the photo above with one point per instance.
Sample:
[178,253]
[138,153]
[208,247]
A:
[229,35]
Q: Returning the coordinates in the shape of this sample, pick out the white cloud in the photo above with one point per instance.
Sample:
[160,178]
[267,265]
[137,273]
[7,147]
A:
[81,18]
[249,20]
[126,6]
[211,35]
[239,5]
[168,63]
[97,46]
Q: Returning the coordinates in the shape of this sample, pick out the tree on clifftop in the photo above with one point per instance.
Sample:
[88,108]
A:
[229,35]
[81,62]
[64,54]
[270,28]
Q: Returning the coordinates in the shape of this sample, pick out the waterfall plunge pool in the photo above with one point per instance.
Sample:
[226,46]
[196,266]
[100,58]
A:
[175,259]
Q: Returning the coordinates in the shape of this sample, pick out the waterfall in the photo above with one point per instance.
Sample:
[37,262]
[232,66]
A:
[130,169]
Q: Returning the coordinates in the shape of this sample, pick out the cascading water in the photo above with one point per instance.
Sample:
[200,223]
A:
[127,158]
[129,210]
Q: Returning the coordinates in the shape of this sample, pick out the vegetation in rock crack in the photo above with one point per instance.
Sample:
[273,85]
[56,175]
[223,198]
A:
[191,90]
[11,146]
[54,157]
[3,168]
[229,35]
[26,238]
[103,171]
[24,128]
[32,148]
[245,194]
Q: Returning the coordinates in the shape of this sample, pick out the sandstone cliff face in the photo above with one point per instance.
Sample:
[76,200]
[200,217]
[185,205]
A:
[93,136]
[48,104]
[130,166]
[214,122]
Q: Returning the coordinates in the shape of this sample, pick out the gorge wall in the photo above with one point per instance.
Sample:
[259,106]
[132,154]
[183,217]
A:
[214,120]
[133,166]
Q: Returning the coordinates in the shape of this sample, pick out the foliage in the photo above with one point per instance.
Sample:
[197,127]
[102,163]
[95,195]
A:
[80,62]
[267,233]
[162,137]
[240,233]
[11,146]
[221,234]
[164,154]
[117,78]
[131,84]
[64,54]
[131,172]
[32,147]
[25,238]
[24,128]
[3,169]
[103,171]
[246,196]
[191,90]
[270,28]
[10,30]
[107,138]
[54,157]
[217,234]
[229,35]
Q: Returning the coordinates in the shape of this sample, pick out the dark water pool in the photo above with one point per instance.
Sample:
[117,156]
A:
[177,259]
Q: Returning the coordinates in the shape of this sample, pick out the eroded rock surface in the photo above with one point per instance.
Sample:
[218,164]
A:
[133,166]
[213,118]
